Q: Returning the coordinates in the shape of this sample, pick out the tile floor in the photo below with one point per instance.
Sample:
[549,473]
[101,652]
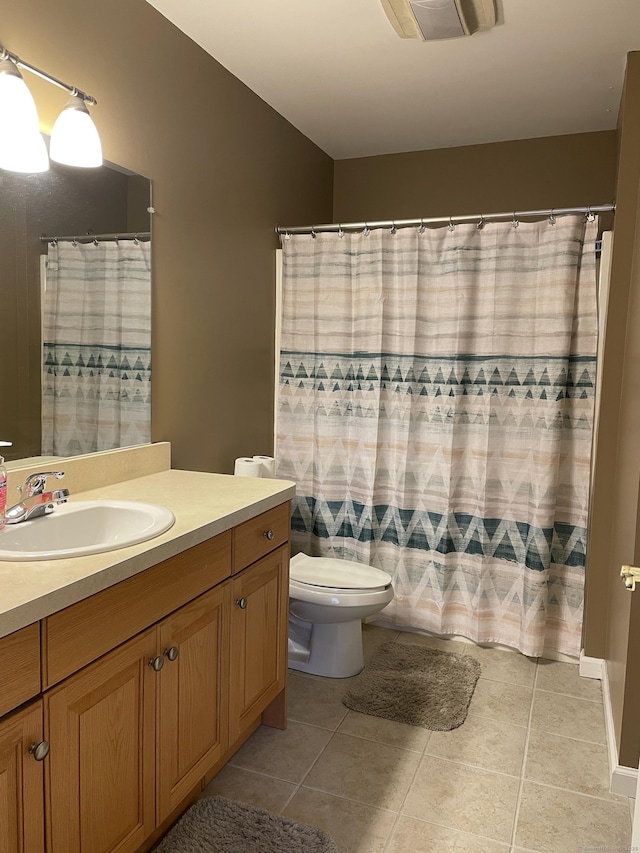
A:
[526,772]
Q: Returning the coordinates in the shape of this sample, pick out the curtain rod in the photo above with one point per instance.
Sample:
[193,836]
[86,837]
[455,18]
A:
[480,218]
[92,238]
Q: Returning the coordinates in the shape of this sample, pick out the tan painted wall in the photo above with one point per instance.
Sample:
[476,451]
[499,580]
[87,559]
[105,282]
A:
[226,169]
[612,616]
[554,171]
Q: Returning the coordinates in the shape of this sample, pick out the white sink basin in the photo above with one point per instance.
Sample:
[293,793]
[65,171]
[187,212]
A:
[79,528]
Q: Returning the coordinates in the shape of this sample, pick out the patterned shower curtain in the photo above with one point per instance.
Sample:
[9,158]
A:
[96,347]
[435,410]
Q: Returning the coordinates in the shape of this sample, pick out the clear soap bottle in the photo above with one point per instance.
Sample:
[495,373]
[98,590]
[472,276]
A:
[3,484]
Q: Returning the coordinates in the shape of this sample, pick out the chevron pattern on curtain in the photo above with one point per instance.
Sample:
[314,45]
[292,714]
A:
[435,410]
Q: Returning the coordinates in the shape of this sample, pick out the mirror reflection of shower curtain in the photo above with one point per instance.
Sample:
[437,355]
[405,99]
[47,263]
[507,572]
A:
[96,389]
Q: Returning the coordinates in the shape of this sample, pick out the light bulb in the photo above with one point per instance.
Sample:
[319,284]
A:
[74,137]
[22,148]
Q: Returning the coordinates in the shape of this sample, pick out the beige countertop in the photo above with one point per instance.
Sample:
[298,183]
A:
[203,504]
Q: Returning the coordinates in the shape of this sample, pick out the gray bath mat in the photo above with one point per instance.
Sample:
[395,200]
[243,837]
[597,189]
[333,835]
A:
[216,825]
[415,685]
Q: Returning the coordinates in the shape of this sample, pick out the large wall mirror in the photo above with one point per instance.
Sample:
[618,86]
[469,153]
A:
[75,297]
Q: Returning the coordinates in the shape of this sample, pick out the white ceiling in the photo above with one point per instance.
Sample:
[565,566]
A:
[338,72]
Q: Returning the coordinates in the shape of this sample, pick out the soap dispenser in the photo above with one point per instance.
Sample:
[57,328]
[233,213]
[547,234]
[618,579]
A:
[3,484]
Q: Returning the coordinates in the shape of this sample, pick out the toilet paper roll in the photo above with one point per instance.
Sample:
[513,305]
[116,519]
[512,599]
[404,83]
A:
[247,467]
[268,464]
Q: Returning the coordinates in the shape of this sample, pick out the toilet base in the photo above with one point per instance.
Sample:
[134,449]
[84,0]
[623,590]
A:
[336,650]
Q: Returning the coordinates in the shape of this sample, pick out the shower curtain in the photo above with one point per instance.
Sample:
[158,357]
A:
[96,347]
[435,411]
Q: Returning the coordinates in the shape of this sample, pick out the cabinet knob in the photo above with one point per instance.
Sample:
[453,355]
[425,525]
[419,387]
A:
[39,750]
[156,663]
[171,653]
[242,603]
[268,534]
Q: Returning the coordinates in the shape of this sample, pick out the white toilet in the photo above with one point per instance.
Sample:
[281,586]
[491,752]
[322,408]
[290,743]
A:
[328,598]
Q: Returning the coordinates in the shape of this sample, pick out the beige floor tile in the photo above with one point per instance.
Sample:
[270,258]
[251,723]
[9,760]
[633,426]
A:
[566,715]
[420,837]
[285,754]
[371,773]
[507,703]
[500,665]
[554,821]
[566,763]
[433,642]
[463,798]
[374,636]
[381,730]
[565,678]
[316,701]
[483,743]
[355,827]
[264,792]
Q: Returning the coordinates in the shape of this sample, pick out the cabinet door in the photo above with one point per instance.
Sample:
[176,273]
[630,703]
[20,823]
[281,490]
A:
[100,775]
[193,697]
[21,783]
[258,638]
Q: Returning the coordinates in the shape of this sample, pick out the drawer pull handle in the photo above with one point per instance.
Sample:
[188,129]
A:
[39,750]
[171,653]
[156,664]
[269,534]
[242,603]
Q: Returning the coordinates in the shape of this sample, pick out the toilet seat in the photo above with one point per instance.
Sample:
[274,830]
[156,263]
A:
[330,575]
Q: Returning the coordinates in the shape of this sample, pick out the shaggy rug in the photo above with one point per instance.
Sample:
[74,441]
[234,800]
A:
[415,685]
[216,825]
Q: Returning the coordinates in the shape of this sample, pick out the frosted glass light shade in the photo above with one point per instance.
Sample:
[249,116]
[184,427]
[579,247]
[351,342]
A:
[74,137]
[22,148]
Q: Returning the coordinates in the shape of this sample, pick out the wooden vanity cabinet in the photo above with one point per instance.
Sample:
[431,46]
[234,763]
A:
[21,781]
[135,731]
[258,641]
[178,663]
[192,711]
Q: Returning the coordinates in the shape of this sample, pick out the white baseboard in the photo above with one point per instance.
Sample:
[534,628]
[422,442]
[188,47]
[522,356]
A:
[624,780]
[590,667]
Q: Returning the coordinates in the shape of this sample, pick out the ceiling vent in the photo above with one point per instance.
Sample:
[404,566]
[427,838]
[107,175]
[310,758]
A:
[439,19]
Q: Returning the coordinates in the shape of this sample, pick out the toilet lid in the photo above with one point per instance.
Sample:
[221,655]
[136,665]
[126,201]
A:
[337,574]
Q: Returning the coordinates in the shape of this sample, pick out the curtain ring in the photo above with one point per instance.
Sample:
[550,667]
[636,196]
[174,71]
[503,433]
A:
[136,242]
[451,226]
[287,236]
[421,229]
[340,231]
[367,230]
[95,241]
[552,218]
[590,216]
[74,243]
[480,224]
[514,222]
[313,233]
[393,227]
[53,242]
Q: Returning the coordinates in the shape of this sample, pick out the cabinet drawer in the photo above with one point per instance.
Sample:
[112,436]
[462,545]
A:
[253,539]
[83,632]
[19,667]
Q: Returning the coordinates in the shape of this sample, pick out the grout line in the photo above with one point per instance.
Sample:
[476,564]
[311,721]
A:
[579,793]
[404,799]
[570,696]
[524,762]
[311,766]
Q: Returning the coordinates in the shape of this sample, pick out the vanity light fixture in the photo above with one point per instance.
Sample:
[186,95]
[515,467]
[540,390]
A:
[74,137]
[22,147]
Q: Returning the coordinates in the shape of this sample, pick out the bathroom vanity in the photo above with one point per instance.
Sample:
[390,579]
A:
[145,668]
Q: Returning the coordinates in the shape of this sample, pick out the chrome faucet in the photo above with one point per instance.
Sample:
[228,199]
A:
[36,502]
